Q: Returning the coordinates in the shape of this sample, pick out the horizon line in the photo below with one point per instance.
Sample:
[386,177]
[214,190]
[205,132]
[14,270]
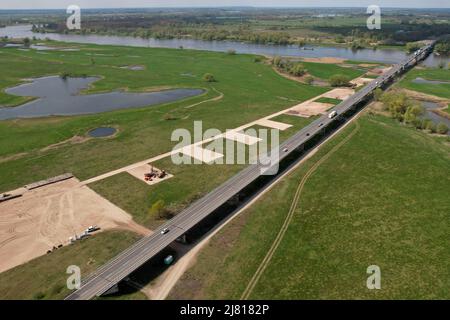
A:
[215,7]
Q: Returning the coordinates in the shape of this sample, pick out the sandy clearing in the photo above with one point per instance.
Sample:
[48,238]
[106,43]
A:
[380,71]
[242,138]
[339,93]
[306,110]
[361,81]
[140,172]
[366,65]
[274,124]
[329,60]
[201,154]
[48,216]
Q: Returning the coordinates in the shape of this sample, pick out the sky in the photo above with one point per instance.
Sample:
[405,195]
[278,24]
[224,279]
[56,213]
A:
[50,4]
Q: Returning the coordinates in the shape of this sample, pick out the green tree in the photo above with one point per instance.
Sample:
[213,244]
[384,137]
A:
[377,94]
[157,209]
[412,112]
[397,104]
[277,61]
[297,70]
[339,80]
[26,42]
[208,77]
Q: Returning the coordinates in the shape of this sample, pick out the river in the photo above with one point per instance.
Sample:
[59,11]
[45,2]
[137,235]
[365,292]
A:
[379,55]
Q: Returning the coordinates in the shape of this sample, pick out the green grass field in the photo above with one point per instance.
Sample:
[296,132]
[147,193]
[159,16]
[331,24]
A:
[45,277]
[440,90]
[382,199]
[144,132]
[190,182]
[325,70]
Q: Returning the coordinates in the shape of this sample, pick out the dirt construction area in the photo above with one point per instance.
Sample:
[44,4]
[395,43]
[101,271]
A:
[48,216]
[312,108]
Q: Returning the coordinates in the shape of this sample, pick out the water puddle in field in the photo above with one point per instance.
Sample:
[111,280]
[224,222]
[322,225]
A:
[133,68]
[102,132]
[425,81]
[60,97]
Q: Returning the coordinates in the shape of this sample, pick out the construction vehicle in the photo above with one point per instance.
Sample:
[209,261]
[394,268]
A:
[154,174]
[151,175]
[162,174]
[92,229]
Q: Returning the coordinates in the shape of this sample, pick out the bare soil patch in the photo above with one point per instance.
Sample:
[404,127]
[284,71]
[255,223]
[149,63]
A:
[328,60]
[46,217]
[310,109]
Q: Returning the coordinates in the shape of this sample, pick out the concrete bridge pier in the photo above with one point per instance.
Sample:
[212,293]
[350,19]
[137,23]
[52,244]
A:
[114,289]
[234,200]
[182,239]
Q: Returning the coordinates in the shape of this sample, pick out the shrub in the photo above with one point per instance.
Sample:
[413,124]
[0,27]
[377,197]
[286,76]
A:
[309,80]
[277,61]
[297,70]
[412,113]
[442,128]
[431,127]
[339,80]
[208,77]
[26,42]
[169,117]
[377,94]
[64,75]
[157,208]
[39,295]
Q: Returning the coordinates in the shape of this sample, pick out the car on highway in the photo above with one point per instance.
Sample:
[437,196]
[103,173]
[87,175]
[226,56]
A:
[285,150]
[165,231]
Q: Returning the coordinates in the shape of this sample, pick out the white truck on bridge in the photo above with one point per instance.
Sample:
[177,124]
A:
[333,114]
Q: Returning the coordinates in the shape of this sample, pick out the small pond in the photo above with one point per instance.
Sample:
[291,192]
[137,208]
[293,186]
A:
[57,96]
[102,132]
[425,81]
[429,114]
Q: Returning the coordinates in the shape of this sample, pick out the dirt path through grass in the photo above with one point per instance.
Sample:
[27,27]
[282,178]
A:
[254,280]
